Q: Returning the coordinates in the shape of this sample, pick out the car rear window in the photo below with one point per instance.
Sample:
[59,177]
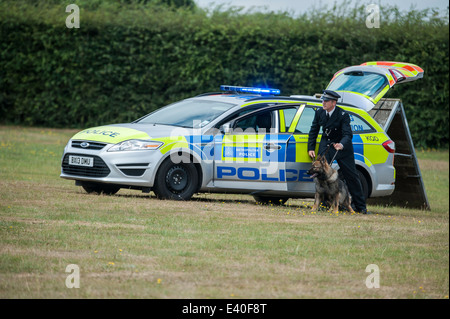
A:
[369,84]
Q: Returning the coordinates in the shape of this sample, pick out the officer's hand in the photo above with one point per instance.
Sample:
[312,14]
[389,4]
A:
[312,154]
[338,146]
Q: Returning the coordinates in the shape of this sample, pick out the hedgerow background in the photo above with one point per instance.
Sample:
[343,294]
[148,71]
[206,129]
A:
[130,57]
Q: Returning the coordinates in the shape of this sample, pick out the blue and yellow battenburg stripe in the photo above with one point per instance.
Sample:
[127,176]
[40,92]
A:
[292,148]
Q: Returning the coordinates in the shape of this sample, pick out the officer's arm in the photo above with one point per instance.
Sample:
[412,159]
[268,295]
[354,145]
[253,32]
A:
[313,132]
[347,134]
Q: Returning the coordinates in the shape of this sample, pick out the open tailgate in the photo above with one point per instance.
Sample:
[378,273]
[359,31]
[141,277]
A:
[364,85]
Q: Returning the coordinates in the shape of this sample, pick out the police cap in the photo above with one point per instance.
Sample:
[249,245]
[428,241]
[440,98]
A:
[330,95]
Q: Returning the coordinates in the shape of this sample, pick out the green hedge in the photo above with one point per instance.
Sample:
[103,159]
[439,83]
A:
[129,58]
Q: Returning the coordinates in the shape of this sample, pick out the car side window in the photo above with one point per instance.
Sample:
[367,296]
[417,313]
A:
[241,112]
[359,125]
[305,121]
[257,123]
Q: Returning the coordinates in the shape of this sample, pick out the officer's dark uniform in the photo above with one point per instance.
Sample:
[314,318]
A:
[337,130]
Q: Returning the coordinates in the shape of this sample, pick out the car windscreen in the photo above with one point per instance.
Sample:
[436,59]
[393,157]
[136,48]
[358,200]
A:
[188,113]
[369,84]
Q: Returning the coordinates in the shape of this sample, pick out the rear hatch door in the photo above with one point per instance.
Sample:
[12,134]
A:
[364,85]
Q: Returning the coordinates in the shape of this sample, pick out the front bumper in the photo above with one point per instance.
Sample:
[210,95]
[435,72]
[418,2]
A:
[127,168]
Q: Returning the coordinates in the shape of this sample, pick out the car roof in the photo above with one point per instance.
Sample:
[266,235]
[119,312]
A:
[244,99]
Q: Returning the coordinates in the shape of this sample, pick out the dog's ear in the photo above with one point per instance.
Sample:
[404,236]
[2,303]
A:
[324,161]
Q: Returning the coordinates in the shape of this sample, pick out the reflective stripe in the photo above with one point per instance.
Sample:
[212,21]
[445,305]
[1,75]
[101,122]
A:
[110,134]
[361,158]
[172,142]
[408,69]
[282,122]
[201,145]
[376,153]
[373,150]
[296,117]
[358,149]
[391,79]
[250,147]
[301,148]
[243,148]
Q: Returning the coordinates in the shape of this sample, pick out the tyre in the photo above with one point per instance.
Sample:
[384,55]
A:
[267,200]
[177,181]
[364,184]
[100,188]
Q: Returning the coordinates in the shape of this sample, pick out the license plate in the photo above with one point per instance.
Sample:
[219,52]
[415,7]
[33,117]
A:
[81,161]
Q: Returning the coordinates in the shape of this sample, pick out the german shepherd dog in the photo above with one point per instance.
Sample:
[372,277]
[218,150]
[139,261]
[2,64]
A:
[330,189]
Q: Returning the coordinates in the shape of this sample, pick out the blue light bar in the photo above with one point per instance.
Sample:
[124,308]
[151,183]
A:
[241,89]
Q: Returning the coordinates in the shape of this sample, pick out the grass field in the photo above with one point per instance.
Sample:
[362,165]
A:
[132,245]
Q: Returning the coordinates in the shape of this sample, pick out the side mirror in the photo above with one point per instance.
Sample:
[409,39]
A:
[225,128]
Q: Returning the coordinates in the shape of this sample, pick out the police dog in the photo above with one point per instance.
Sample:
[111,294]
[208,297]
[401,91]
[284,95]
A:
[330,189]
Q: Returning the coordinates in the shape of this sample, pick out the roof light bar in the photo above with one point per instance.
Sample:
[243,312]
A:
[241,89]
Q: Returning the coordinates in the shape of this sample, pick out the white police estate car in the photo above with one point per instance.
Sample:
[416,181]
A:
[241,140]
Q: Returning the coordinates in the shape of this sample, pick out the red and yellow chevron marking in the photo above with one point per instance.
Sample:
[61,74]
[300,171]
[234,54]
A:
[408,69]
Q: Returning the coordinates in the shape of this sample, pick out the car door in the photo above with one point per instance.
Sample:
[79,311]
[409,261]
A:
[252,155]
[298,161]
[364,85]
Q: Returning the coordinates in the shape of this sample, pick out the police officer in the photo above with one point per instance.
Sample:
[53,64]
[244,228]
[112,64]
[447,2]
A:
[335,124]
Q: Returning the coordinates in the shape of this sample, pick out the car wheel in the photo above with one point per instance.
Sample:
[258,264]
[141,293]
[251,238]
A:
[100,188]
[364,184]
[176,181]
[267,200]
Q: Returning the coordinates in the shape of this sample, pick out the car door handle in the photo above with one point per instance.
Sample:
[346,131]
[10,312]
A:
[272,147]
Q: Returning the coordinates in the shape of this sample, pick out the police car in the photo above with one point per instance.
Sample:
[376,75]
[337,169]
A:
[239,140]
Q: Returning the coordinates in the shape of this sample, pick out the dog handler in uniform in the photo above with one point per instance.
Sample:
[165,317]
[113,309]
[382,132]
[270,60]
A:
[335,124]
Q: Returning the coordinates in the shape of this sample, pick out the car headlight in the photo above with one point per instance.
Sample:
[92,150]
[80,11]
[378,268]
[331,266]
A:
[135,145]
